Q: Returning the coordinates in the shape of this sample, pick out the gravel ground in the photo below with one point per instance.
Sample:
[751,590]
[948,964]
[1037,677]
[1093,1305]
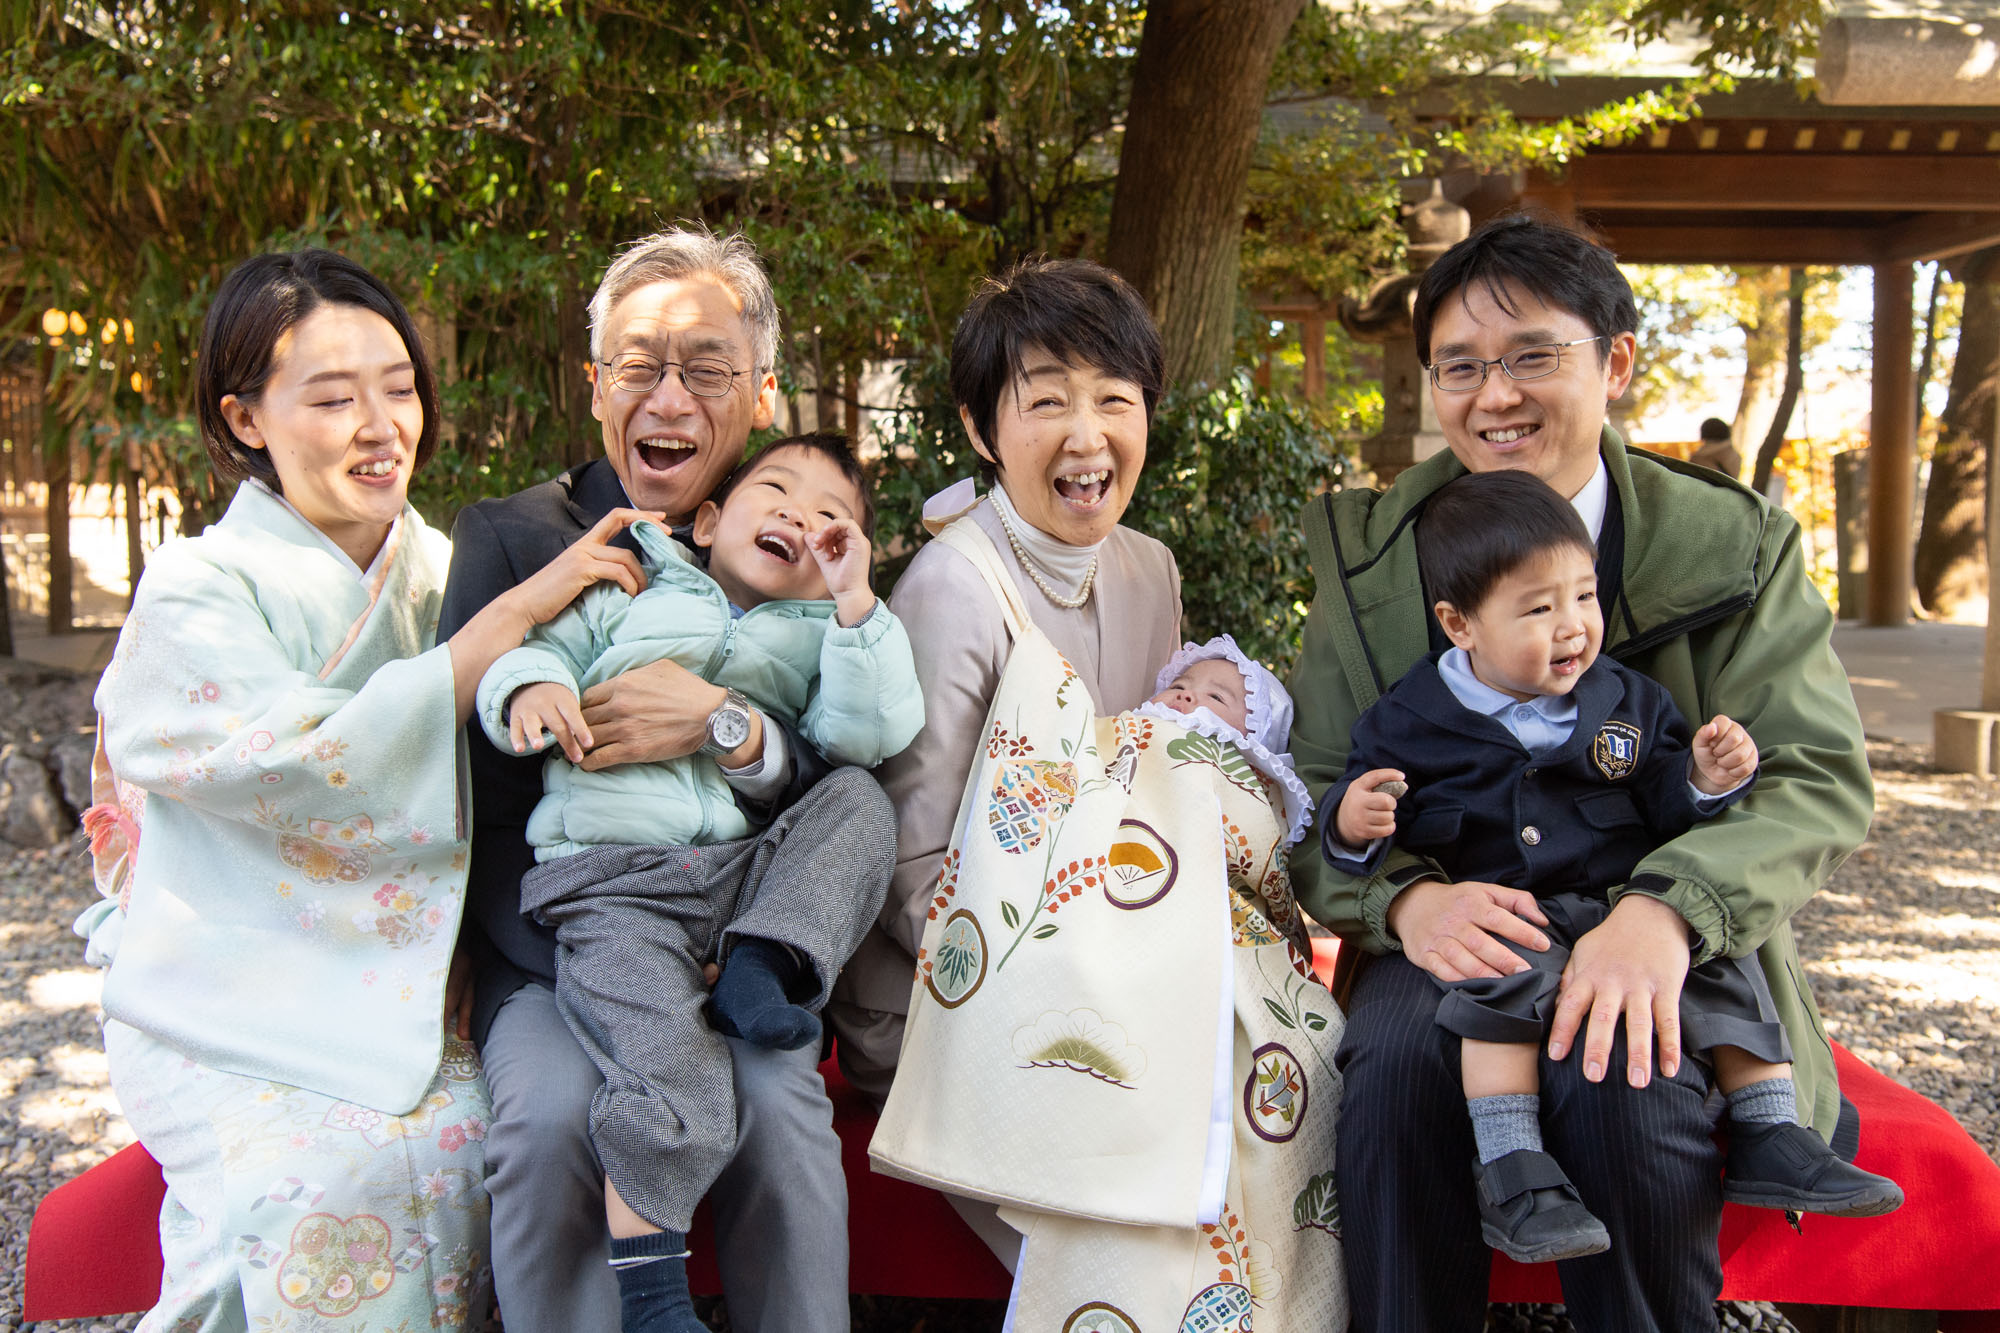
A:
[1903,950]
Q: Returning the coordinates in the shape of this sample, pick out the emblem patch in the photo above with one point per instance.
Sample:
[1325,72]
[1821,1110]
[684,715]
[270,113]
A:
[1616,749]
[1274,1096]
[960,965]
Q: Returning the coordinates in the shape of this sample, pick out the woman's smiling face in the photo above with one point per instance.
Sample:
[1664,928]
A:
[340,419]
[1069,443]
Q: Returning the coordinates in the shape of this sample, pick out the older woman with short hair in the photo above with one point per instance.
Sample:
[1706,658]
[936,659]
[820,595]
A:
[1057,369]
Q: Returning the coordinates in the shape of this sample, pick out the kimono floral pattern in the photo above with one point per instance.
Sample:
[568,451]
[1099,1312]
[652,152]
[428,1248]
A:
[1269,1262]
[326,851]
[1030,798]
[333,1211]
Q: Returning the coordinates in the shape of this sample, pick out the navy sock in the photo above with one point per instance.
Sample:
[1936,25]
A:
[652,1284]
[753,997]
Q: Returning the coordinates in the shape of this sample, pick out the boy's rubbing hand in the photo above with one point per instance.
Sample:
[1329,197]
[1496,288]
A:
[1724,755]
[842,553]
[547,706]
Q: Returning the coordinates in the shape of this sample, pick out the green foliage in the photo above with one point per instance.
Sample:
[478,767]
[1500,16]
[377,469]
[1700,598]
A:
[1227,471]
[1773,35]
[1703,328]
[1690,333]
[486,161]
[1385,93]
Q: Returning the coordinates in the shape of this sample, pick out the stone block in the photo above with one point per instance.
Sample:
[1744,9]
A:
[31,813]
[1966,740]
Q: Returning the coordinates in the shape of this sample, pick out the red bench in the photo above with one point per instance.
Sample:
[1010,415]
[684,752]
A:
[94,1249]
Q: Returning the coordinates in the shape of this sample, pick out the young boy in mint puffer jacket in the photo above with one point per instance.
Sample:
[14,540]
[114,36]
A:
[630,873]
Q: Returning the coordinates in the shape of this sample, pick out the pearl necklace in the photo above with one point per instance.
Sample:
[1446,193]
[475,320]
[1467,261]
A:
[1066,602]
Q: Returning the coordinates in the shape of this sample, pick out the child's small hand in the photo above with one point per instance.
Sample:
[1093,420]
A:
[1724,755]
[547,706]
[1368,807]
[842,553]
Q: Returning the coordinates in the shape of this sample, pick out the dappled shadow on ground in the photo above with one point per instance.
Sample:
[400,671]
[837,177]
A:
[56,1107]
[1903,946]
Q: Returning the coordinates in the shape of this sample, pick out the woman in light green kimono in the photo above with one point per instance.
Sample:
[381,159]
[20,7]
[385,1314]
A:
[280,834]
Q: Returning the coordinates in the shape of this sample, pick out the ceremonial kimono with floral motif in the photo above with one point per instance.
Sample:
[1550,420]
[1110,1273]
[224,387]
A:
[1114,1031]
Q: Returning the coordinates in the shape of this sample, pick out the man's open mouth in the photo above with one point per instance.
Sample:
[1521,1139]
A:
[661,455]
[1507,435]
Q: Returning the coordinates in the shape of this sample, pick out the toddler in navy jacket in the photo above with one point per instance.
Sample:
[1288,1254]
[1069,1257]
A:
[1520,757]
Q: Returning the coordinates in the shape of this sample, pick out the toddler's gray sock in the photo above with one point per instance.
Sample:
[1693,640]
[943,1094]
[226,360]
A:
[1772,1102]
[1504,1123]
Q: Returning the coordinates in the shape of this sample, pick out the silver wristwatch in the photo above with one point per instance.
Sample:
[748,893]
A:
[728,725]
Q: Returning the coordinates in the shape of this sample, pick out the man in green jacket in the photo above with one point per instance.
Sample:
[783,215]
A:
[1528,330]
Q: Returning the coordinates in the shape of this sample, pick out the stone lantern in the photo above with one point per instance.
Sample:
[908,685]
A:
[1410,431]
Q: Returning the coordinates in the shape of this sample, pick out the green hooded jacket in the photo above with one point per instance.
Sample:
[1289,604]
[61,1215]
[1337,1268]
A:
[1716,606]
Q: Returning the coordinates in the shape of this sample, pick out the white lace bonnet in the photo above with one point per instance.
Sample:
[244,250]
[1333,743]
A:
[1268,718]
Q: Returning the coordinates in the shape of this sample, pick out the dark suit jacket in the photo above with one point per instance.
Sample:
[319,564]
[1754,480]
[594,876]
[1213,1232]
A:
[1576,819]
[495,545]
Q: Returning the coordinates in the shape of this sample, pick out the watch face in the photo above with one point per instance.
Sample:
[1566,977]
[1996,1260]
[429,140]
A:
[729,727]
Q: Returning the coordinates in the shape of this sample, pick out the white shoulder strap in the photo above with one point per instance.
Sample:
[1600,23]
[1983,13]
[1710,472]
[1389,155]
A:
[970,540]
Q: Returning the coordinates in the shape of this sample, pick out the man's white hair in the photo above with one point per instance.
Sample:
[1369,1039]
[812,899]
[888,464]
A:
[688,252]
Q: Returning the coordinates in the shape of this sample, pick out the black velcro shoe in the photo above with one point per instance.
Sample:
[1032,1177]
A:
[1789,1166]
[1529,1211]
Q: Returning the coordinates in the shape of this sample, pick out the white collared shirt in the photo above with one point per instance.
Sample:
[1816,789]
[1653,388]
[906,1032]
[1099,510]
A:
[1590,502]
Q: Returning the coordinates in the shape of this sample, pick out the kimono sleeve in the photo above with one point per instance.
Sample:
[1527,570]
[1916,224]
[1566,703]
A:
[208,704]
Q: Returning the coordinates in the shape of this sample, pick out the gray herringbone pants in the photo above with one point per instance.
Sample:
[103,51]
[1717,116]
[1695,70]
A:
[634,925]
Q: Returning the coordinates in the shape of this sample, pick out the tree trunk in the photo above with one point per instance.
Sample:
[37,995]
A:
[135,533]
[55,508]
[1928,358]
[1197,104]
[62,581]
[1763,352]
[1788,398]
[572,390]
[1950,563]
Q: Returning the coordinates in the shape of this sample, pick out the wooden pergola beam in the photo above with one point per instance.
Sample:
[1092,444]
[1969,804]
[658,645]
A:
[1913,240]
[1805,182]
[1940,236]
[1722,243]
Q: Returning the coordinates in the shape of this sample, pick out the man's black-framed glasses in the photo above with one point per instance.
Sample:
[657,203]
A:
[1463,374]
[704,377]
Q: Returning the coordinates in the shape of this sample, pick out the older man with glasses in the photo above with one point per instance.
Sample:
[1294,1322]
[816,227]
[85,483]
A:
[1528,331]
[684,341]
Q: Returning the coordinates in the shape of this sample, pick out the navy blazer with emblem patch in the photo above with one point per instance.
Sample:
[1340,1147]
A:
[1596,805]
